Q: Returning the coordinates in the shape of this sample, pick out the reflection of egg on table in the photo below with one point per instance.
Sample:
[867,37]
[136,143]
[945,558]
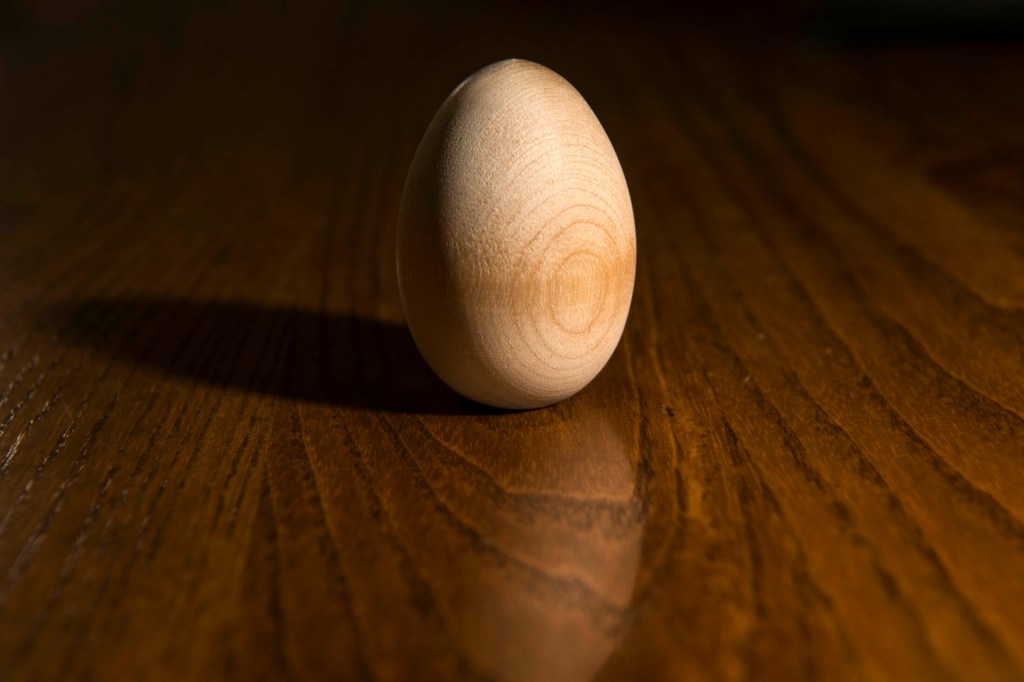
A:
[516,243]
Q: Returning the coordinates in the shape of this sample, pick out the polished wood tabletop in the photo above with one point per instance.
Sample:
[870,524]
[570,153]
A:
[222,457]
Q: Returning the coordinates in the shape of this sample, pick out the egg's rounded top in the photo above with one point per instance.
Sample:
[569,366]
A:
[516,244]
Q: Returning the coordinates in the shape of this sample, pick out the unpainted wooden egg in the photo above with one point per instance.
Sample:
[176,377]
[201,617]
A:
[516,245]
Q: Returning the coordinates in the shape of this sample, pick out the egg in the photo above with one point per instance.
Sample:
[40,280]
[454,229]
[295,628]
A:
[516,244]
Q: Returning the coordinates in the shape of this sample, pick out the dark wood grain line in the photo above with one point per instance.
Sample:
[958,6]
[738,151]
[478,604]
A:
[278,624]
[613,517]
[658,558]
[885,578]
[30,392]
[160,525]
[23,494]
[796,450]
[1010,323]
[280,340]
[251,466]
[662,570]
[327,540]
[849,281]
[915,353]
[21,561]
[277,355]
[229,346]
[236,458]
[98,500]
[12,450]
[867,470]
[13,384]
[52,599]
[998,513]
[811,592]
[569,591]
[992,509]
[741,461]
[422,595]
[102,327]
[52,401]
[102,592]
[651,472]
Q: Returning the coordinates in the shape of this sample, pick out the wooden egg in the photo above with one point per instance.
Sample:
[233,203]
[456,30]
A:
[516,244]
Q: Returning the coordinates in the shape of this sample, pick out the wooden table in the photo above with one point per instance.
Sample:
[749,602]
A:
[222,457]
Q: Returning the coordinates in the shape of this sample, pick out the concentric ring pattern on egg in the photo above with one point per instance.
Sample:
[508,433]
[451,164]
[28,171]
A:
[516,241]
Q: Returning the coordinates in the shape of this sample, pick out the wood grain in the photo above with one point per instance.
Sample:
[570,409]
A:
[221,456]
[516,245]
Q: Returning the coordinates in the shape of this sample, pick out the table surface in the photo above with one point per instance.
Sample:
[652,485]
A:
[222,457]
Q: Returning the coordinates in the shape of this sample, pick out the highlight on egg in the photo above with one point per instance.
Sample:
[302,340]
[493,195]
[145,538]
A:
[516,245]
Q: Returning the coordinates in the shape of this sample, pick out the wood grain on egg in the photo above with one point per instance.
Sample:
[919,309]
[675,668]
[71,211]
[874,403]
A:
[516,244]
